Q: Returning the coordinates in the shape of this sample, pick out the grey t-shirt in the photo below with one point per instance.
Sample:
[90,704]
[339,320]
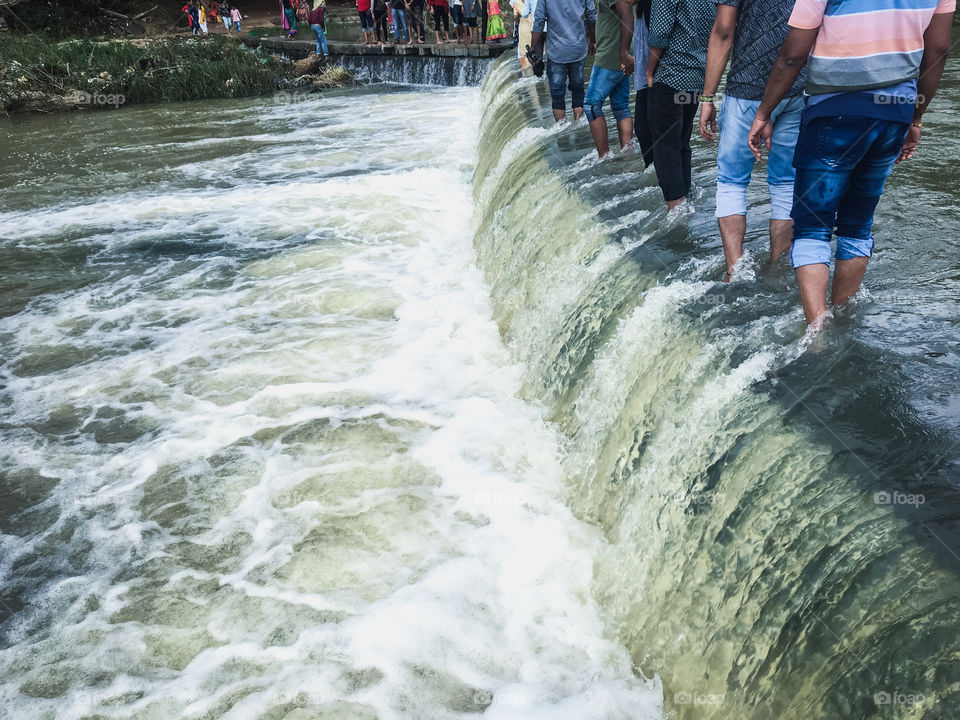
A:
[567,38]
[761,30]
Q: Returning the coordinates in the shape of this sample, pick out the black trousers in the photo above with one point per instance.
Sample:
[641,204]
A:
[641,127]
[671,113]
[380,25]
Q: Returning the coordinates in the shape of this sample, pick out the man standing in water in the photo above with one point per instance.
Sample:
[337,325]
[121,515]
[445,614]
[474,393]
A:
[679,32]
[872,72]
[754,30]
[572,25]
[608,79]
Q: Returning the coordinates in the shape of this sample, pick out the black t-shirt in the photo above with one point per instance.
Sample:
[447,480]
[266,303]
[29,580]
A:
[398,5]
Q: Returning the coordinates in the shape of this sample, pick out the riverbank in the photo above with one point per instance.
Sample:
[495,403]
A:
[41,75]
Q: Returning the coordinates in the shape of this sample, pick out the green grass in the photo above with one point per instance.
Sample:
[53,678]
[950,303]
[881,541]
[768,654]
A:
[150,71]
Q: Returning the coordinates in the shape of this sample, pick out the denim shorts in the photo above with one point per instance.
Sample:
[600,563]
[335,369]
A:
[735,161]
[842,166]
[603,84]
[366,20]
[457,16]
[560,75]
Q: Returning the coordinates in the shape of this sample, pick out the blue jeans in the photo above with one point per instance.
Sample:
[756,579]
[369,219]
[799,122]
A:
[842,166]
[401,34]
[559,76]
[321,39]
[603,84]
[735,161]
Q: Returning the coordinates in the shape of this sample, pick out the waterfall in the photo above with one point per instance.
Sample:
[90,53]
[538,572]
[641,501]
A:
[782,524]
[416,69]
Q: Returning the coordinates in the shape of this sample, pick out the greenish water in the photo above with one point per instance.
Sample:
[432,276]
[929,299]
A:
[781,516]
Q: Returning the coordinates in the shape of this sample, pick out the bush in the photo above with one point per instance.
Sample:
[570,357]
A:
[138,71]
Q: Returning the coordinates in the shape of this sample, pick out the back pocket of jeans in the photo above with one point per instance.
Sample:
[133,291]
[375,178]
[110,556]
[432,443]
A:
[840,140]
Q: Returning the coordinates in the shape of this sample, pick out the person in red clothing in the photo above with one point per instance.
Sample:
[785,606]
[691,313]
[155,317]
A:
[441,14]
[366,21]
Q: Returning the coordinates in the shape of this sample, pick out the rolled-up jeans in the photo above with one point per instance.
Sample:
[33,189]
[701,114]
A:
[604,84]
[735,161]
[560,75]
[842,166]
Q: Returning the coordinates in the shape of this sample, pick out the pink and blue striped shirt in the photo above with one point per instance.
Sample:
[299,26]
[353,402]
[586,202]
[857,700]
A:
[865,44]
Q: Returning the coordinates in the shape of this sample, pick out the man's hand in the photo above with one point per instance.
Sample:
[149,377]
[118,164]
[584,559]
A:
[626,63]
[760,134]
[910,144]
[592,48]
[708,121]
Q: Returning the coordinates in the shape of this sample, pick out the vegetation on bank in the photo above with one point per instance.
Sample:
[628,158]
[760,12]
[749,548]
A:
[41,74]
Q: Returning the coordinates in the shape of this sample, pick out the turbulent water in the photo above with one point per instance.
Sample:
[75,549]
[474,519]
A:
[397,403]
[781,517]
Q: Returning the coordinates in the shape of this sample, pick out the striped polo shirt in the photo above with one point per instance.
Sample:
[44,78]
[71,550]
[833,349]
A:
[865,44]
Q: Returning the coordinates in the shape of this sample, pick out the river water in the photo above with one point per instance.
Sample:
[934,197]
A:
[396,403]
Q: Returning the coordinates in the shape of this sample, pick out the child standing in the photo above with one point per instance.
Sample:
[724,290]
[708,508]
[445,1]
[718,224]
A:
[236,17]
[495,27]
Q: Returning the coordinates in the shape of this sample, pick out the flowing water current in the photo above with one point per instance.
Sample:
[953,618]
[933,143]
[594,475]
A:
[396,403]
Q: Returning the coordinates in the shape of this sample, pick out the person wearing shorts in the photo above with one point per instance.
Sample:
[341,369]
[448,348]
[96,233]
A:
[456,15]
[571,35]
[441,16]
[607,79]
[366,21]
[471,9]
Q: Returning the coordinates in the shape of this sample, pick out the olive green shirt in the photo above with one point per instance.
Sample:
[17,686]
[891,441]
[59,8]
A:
[608,36]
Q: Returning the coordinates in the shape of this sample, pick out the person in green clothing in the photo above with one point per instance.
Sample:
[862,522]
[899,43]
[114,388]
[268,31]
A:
[608,79]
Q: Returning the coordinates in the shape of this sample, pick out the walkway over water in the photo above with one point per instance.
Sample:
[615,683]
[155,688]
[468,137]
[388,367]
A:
[306,45]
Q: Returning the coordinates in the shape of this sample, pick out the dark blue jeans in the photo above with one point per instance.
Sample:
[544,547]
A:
[559,75]
[842,166]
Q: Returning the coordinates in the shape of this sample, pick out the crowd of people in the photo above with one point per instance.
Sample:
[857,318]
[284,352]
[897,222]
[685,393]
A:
[473,21]
[835,90]
[198,14]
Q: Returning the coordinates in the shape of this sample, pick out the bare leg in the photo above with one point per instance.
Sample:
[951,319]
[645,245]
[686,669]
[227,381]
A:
[671,204]
[625,131]
[559,115]
[577,113]
[812,280]
[781,238]
[733,228]
[847,278]
[598,129]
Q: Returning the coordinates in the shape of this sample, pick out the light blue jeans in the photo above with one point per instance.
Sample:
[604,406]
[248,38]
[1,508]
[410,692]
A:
[321,39]
[735,161]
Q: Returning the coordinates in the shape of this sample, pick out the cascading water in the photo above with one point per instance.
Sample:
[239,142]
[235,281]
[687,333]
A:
[260,453]
[782,519]
[417,69]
